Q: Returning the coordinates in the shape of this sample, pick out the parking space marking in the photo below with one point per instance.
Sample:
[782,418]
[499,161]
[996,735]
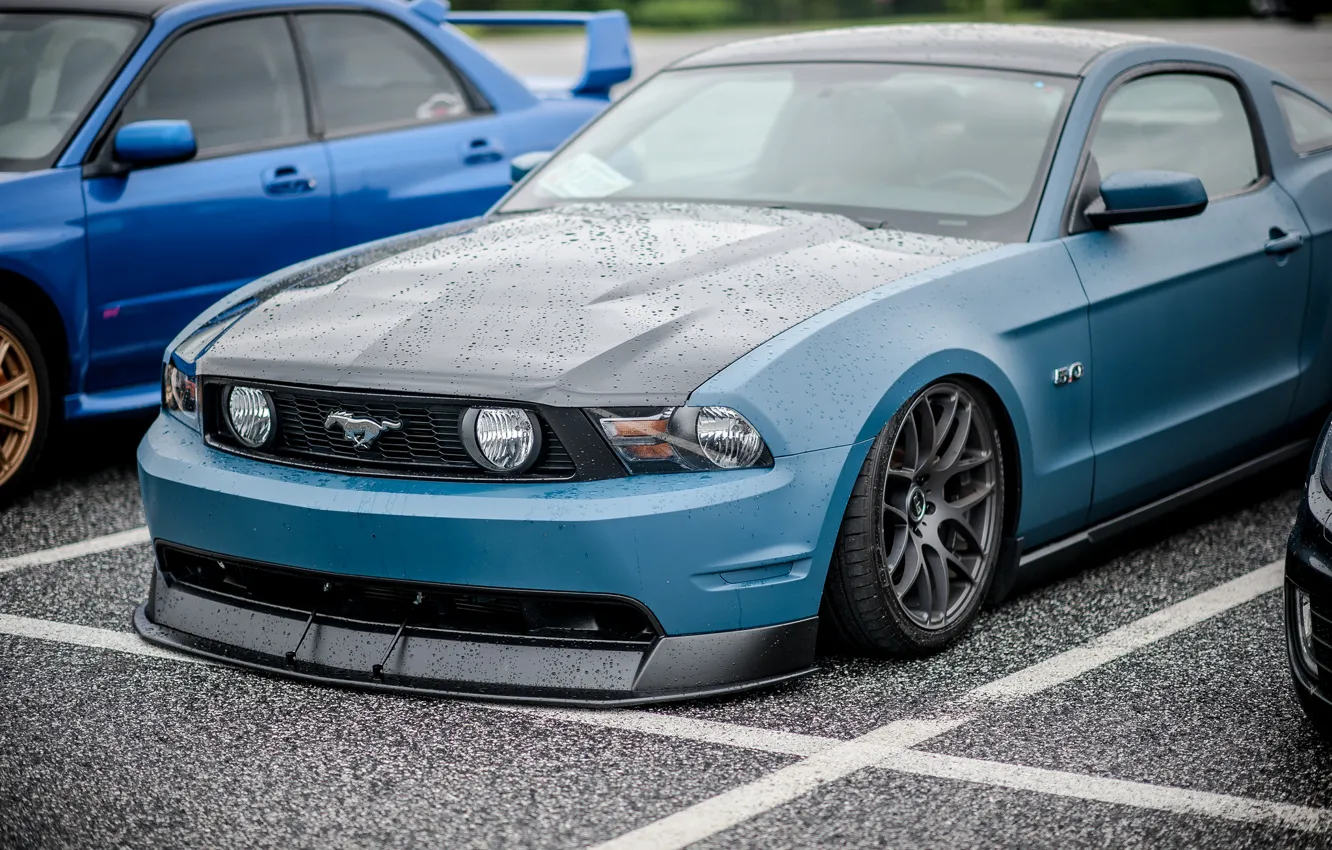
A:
[675,726]
[88,636]
[1106,790]
[731,808]
[1120,642]
[92,546]
[825,760]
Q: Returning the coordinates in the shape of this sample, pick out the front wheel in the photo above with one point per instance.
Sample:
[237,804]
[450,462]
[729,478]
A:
[25,404]
[921,535]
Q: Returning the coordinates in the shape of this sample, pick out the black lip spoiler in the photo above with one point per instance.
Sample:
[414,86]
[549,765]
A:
[434,662]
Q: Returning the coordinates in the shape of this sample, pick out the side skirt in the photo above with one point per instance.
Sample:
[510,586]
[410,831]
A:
[1047,559]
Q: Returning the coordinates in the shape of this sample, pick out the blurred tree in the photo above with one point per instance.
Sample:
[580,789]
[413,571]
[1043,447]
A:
[1147,8]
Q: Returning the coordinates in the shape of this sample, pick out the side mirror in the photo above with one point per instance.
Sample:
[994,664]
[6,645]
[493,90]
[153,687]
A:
[1132,197]
[520,166]
[155,142]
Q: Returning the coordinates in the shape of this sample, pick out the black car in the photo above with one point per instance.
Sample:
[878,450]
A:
[1309,591]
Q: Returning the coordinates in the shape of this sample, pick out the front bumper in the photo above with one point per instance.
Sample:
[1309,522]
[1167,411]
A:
[438,662]
[1309,568]
[729,565]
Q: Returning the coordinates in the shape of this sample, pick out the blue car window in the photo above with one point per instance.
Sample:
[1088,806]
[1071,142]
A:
[237,83]
[1309,123]
[51,67]
[1193,123]
[370,73]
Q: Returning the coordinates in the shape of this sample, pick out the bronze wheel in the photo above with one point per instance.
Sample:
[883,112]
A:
[24,402]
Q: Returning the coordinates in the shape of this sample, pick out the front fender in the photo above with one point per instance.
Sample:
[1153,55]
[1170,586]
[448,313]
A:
[1006,318]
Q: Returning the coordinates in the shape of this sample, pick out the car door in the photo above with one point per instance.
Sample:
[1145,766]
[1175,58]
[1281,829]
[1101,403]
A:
[410,143]
[165,242]
[1195,322]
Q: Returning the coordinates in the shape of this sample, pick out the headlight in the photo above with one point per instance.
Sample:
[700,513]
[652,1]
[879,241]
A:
[180,393]
[683,439]
[506,440]
[250,415]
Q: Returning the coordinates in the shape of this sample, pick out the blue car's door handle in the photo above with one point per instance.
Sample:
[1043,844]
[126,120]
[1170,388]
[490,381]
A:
[1283,242]
[481,151]
[287,180]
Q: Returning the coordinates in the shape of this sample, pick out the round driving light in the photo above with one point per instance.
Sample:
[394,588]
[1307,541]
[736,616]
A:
[501,439]
[727,439]
[250,415]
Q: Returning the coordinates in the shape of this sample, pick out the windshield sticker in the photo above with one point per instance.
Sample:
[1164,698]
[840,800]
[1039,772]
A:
[584,176]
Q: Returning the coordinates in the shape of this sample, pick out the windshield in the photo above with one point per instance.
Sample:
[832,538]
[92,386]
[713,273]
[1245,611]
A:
[954,151]
[51,67]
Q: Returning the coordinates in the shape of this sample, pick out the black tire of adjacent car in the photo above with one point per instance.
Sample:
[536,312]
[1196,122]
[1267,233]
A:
[25,404]
[860,605]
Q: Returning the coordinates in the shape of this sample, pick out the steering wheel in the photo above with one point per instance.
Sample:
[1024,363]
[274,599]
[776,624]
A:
[975,177]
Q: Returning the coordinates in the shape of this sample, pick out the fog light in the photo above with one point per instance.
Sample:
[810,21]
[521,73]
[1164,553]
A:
[501,439]
[1304,632]
[250,415]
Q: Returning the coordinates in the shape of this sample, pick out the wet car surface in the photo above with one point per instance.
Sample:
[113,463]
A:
[107,742]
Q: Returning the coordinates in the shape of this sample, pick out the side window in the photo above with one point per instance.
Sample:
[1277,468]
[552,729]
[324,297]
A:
[1309,123]
[237,84]
[1179,122]
[371,73]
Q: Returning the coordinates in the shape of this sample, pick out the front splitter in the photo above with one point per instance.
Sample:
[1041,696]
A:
[487,667]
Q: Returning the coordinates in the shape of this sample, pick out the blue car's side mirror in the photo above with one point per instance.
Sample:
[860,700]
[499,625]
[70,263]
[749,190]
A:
[520,166]
[155,142]
[1132,197]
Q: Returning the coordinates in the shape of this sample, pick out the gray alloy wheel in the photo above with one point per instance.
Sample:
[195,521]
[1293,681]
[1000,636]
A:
[921,534]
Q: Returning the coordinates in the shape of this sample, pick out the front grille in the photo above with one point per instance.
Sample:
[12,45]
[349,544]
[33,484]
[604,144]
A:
[389,603]
[428,444]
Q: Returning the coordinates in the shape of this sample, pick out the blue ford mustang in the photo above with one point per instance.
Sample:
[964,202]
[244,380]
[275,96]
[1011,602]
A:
[846,330]
[157,154]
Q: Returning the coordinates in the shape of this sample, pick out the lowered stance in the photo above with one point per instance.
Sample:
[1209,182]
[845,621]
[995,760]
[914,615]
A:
[157,154]
[870,323]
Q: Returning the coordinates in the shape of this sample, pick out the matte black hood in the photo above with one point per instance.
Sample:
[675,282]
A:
[603,304]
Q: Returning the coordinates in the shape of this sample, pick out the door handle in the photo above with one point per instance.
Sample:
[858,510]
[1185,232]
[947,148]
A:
[1282,242]
[287,180]
[481,151]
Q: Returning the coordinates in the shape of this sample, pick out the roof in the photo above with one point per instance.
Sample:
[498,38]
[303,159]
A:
[143,8]
[1049,50]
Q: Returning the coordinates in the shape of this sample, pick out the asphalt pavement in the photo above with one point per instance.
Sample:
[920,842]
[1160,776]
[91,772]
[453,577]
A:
[1140,700]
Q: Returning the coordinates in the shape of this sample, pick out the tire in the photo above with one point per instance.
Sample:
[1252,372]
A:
[926,515]
[25,404]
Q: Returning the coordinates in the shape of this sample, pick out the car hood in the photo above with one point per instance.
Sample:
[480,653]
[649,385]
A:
[606,304]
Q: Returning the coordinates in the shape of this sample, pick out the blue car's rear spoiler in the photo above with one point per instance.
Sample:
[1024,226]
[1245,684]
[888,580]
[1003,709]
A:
[609,59]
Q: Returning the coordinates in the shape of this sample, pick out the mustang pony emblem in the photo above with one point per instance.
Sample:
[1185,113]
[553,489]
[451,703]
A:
[361,430]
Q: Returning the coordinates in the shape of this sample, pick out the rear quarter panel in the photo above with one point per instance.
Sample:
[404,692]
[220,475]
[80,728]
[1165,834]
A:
[1308,180]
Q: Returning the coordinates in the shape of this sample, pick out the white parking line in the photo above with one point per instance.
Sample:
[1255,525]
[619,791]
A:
[1123,792]
[1120,642]
[731,808]
[716,814]
[675,726]
[87,636]
[826,760]
[106,543]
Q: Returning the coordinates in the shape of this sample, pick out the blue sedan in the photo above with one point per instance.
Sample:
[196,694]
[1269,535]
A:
[157,154]
[847,331]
